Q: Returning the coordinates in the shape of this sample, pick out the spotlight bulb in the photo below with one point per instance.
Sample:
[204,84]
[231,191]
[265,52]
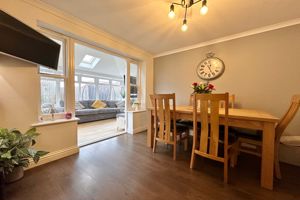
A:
[184,26]
[203,10]
[171,13]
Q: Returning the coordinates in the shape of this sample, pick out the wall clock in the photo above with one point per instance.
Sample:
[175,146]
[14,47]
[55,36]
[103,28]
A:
[210,68]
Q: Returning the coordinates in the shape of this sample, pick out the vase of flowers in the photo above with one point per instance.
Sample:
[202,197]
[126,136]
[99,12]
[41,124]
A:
[202,88]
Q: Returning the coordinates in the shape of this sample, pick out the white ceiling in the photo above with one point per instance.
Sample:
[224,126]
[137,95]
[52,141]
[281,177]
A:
[145,23]
[108,66]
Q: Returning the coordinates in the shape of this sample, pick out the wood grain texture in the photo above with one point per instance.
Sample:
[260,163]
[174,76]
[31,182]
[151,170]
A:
[165,120]
[124,168]
[96,131]
[281,126]
[209,106]
[243,118]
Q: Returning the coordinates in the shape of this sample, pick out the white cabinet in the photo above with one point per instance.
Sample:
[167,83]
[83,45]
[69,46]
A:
[136,121]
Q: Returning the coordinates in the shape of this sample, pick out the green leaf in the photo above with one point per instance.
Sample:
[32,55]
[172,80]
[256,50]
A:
[6,155]
[42,153]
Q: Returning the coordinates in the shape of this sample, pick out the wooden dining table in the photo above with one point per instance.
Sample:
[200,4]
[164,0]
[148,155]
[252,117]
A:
[242,118]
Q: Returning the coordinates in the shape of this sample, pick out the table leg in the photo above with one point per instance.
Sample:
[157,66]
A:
[150,129]
[267,164]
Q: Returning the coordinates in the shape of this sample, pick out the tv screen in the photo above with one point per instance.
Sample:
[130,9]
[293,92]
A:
[21,41]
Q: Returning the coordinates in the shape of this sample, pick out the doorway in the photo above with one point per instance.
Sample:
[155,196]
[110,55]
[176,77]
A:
[100,93]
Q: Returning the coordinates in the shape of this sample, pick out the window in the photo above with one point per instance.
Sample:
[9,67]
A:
[104,89]
[53,84]
[134,84]
[89,62]
[52,95]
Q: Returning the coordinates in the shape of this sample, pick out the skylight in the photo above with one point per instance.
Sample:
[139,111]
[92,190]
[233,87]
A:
[89,62]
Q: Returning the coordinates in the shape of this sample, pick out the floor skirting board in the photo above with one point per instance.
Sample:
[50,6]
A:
[55,155]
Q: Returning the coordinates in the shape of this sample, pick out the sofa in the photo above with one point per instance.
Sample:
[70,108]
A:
[89,114]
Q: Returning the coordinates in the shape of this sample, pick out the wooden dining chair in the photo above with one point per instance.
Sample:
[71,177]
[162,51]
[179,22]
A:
[231,102]
[165,128]
[254,146]
[208,142]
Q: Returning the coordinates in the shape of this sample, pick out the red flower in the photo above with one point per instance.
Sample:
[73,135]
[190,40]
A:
[195,84]
[210,86]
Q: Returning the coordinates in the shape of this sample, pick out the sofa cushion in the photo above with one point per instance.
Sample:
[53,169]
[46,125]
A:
[120,104]
[111,104]
[87,103]
[96,111]
[78,106]
[98,104]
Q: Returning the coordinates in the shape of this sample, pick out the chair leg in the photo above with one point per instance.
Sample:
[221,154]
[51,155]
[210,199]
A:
[235,154]
[174,150]
[192,164]
[226,170]
[154,145]
[186,143]
[276,164]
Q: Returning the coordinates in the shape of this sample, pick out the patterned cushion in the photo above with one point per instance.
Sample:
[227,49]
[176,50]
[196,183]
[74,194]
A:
[78,106]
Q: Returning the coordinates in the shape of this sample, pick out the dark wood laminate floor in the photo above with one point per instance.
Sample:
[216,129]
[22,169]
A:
[123,168]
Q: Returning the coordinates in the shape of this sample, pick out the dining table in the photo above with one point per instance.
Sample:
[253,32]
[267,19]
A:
[241,118]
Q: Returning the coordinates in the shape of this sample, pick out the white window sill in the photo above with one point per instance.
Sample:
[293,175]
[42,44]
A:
[56,121]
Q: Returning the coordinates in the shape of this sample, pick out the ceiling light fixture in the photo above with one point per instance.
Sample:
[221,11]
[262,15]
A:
[187,4]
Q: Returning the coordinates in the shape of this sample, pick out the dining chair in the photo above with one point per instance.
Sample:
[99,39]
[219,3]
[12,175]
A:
[231,102]
[189,123]
[165,128]
[254,145]
[209,141]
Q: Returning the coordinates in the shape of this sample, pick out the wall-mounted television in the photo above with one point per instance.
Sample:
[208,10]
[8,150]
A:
[23,42]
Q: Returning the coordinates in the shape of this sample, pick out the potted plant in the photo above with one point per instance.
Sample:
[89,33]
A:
[136,105]
[203,88]
[16,152]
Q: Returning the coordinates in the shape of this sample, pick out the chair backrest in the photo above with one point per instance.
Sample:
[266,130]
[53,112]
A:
[231,101]
[164,116]
[208,142]
[288,117]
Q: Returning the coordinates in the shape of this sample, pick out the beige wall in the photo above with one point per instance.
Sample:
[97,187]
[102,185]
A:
[19,80]
[19,100]
[262,70]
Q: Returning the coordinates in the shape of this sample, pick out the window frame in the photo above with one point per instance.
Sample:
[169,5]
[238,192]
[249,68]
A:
[58,77]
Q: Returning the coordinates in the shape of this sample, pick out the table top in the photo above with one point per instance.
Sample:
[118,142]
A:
[234,113]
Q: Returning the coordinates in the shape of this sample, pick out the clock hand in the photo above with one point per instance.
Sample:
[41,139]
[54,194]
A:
[209,69]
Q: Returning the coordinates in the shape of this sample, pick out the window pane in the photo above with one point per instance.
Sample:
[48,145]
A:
[104,91]
[52,95]
[117,93]
[116,83]
[103,81]
[87,79]
[61,61]
[77,94]
[133,81]
[88,91]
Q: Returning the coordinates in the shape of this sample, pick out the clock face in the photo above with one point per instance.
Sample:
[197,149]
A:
[210,68]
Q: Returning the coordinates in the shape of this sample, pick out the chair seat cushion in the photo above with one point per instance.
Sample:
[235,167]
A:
[290,140]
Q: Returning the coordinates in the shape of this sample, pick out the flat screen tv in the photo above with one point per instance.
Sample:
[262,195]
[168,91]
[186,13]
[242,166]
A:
[21,41]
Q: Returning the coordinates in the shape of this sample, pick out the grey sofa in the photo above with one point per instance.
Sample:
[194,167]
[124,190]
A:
[89,114]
